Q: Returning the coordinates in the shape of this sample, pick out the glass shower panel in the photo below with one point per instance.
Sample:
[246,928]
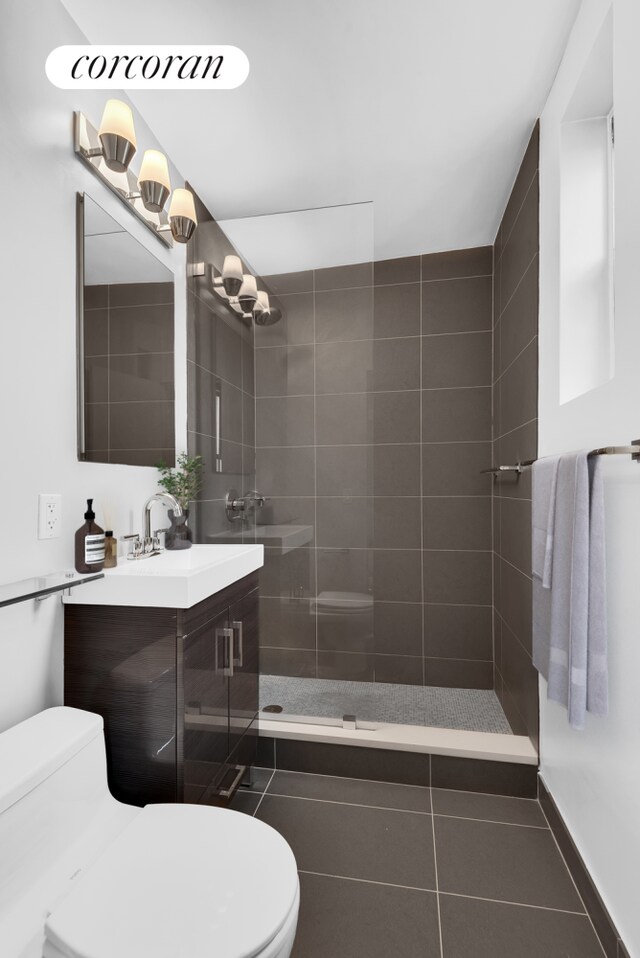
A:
[321,369]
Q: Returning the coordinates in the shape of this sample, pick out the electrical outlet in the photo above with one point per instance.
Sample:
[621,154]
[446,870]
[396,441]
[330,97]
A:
[49,515]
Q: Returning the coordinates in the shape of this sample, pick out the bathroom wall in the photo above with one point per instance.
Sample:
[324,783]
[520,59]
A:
[38,362]
[515,438]
[219,370]
[594,775]
[129,373]
[373,407]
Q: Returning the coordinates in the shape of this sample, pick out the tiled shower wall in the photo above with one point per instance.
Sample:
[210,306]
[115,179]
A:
[129,373]
[219,364]
[516,438]
[373,405]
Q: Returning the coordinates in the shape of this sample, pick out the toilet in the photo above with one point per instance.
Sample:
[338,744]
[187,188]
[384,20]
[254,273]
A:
[85,876]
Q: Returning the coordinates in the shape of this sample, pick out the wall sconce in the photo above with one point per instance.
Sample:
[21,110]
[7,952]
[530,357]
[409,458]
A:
[154,181]
[248,295]
[108,152]
[232,276]
[182,215]
[117,135]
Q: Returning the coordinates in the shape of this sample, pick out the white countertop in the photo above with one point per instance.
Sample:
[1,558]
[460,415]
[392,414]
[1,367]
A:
[173,579]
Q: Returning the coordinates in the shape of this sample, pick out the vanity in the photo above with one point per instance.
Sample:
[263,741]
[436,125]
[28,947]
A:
[166,650]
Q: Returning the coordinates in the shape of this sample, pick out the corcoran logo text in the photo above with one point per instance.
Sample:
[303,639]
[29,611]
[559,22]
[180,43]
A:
[147,67]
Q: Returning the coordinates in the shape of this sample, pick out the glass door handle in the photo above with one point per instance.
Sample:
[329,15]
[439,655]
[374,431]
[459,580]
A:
[227,655]
[237,627]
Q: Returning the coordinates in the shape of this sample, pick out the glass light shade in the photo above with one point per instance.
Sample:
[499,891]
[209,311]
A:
[182,204]
[117,119]
[154,169]
[182,215]
[262,303]
[232,276]
[248,293]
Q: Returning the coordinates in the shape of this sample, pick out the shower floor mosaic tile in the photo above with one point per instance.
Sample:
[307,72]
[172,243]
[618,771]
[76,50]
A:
[473,710]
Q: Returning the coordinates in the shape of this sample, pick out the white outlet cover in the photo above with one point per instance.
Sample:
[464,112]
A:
[49,515]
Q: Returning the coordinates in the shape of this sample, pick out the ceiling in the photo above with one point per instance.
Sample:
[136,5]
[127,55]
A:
[423,107]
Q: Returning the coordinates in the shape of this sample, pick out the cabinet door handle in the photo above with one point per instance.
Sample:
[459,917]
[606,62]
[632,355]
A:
[227,656]
[237,626]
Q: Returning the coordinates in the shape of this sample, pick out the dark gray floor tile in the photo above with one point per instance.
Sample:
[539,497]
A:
[503,862]
[245,801]
[353,842]
[351,791]
[351,919]
[257,780]
[490,808]
[482,929]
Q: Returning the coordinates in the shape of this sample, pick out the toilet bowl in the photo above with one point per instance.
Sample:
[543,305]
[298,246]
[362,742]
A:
[84,876]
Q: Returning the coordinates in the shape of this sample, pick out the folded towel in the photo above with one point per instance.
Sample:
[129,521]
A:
[597,671]
[545,475]
[569,619]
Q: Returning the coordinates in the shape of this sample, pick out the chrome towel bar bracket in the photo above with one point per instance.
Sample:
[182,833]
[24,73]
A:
[633,450]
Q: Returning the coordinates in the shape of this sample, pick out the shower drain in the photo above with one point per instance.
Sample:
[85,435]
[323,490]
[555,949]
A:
[272,708]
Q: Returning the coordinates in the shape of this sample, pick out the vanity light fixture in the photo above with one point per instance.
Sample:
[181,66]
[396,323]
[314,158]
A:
[108,151]
[239,290]
[182,215]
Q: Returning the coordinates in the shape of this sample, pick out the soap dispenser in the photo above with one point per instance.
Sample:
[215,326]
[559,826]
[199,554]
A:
[89,543]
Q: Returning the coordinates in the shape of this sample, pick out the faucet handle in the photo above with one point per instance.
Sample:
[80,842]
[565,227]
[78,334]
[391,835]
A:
[136,544]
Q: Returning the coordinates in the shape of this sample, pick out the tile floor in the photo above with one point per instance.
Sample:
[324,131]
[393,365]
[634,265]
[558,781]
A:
[476,710]
[402,871]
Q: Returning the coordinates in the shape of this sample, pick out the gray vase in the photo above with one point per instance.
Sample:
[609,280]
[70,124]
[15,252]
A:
[179,535]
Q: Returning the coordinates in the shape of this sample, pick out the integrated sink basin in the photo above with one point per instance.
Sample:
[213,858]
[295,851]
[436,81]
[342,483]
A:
[171,580]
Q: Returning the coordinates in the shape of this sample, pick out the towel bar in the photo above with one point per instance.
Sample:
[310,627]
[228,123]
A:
[633,450]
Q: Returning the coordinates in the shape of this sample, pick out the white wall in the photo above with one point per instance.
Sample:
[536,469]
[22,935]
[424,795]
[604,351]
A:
[40,176]
[594,775]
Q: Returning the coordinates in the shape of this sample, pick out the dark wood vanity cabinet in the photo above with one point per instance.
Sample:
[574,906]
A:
[177,689]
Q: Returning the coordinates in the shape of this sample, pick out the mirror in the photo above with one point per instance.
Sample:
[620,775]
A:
[125,345]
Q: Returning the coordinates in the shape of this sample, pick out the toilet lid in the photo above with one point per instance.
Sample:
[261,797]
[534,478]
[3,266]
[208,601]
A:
[180,881]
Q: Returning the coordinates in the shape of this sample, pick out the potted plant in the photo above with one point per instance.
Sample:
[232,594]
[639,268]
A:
[183,483]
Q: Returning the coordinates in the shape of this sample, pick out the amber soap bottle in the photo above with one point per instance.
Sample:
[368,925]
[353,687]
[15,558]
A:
[89,543]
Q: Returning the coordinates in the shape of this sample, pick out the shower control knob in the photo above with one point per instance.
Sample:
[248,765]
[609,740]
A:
[238,507]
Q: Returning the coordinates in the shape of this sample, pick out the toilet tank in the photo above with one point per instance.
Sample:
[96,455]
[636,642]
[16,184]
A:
[53,788]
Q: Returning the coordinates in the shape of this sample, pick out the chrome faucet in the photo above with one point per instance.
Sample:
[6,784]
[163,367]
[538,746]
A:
[148,543]
[169,501]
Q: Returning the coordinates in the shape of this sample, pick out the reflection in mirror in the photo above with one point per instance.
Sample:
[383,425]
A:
[125,345]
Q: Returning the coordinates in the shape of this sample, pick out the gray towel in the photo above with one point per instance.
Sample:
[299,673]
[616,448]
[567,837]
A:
[545,476]
[569,619]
